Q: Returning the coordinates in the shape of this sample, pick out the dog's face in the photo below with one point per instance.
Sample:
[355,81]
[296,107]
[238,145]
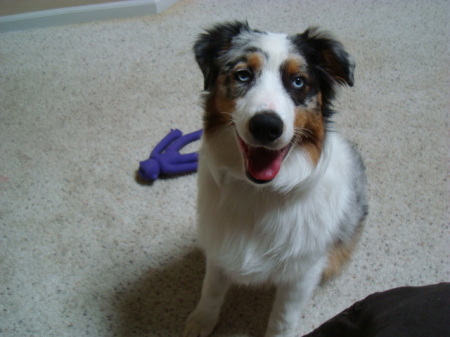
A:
[273,90]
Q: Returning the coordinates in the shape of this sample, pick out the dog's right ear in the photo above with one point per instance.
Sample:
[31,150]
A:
[210,45]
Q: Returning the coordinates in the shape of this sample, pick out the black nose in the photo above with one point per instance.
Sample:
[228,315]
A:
[266,126]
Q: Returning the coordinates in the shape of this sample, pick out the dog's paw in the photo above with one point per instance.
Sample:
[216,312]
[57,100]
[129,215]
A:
[199,325]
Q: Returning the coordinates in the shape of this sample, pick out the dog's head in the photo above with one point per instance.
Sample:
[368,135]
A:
[273,90]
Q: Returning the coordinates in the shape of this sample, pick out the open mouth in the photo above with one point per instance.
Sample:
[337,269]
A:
[261,164]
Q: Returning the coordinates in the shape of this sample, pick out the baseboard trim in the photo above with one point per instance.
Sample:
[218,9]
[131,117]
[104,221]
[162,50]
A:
[83,14]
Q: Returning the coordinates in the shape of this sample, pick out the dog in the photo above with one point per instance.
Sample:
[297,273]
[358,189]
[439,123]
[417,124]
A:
[282,197]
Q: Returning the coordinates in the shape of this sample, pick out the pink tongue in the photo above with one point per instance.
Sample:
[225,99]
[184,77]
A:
[263,164]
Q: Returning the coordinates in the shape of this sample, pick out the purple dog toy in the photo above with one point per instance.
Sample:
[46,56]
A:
[166,158]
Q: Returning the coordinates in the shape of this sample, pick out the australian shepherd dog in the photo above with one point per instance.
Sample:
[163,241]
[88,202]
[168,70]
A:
[281,197]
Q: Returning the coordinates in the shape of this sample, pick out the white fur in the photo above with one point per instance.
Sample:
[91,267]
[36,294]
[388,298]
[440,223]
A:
[268,93]
[278,232]
[259,233]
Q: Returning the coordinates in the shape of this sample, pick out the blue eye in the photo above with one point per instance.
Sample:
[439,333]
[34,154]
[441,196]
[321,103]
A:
[298,82]
[243,76]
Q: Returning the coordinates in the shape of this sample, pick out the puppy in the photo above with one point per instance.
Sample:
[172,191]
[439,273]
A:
[281,197]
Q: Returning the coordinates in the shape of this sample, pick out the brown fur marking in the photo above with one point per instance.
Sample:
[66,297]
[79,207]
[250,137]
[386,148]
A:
[340,254]
[218,108]
[310,126]
[293,66]
[255,62]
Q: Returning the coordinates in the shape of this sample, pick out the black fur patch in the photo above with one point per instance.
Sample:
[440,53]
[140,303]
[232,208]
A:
[211,44]
[328,63]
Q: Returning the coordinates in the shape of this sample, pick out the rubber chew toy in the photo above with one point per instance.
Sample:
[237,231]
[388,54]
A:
[166,158]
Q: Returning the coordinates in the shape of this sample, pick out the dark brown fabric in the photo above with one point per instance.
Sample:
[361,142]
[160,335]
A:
[400,312]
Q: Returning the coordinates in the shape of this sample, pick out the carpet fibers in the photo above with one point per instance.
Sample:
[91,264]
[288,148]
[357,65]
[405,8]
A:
[87,250]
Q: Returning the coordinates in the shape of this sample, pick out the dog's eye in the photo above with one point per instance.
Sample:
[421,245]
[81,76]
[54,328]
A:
[243,76]
[298,83]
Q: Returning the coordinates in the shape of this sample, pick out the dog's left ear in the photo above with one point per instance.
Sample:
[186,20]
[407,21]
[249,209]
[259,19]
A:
[327,55]
[210,45]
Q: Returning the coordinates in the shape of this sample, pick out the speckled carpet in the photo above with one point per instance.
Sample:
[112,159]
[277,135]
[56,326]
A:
[87,250]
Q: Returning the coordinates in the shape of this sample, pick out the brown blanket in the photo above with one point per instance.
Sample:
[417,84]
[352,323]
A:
[400,312]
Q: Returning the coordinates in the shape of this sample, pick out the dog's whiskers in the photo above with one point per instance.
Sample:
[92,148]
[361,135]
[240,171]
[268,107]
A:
[301,133]
[229,124]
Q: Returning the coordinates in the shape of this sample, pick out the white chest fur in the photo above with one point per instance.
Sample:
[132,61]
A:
[258,234]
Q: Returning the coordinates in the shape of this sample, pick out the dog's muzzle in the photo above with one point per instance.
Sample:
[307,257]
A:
[263,163]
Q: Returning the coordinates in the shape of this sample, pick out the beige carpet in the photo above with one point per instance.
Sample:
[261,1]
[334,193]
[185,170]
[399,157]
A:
[86,250]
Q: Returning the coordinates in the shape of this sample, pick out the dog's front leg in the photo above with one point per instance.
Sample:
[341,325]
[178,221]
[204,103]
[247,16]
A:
[289,300]
[204,318]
